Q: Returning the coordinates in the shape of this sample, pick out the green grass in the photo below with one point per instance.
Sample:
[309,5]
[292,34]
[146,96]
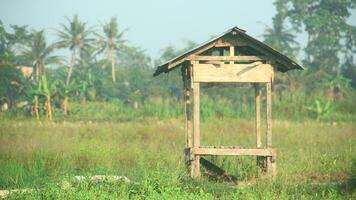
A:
[297,107]
[316,160]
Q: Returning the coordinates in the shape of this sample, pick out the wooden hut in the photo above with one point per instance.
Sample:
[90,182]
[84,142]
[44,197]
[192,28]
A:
[232,57]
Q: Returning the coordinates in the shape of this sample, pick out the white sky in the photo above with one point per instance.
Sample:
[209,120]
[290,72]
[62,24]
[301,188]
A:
[152,24]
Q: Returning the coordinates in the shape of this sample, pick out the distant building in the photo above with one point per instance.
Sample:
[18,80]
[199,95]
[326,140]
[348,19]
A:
[26,71]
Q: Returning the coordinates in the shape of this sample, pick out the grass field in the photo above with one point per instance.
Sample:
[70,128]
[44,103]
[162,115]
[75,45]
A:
[316,160]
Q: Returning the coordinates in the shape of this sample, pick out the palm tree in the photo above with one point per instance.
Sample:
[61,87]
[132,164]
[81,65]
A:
[110,42]
[77,37]
[39,53]
[279,36]
[281,39]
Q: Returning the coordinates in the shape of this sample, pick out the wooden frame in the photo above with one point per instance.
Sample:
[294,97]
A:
[248,61]
[266,156]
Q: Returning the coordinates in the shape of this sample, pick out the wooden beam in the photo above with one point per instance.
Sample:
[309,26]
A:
[233,151]
[232,53]
[187,105]
[222,43]
[258,115]
[268,115]
[227,58]
[195,168]
[198,51]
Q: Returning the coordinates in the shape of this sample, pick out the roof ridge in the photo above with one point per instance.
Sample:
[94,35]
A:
[239,29]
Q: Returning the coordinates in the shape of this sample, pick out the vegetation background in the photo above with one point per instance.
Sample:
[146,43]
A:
[103,113]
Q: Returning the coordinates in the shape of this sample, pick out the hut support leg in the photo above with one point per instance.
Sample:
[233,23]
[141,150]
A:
[270,160]
[195,166]
[260,159]
[188,115]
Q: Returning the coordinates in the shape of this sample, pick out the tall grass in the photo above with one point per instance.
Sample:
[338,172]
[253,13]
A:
[149,151]
[239,104]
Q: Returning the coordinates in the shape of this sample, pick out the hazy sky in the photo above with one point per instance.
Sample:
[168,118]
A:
[152,24]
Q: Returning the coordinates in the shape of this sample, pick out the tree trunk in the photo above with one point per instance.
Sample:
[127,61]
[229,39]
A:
[37,75]
[40,70]
[71,65]
[65,105]
[49,108]
[113,73]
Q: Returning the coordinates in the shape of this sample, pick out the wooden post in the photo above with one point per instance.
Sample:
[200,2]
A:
[260,160]
[258,115]
[187,112]
[268,115]
[232,53]
[271,161]
[195,168]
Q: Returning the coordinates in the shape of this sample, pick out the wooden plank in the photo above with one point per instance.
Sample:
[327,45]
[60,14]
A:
[221,43]
[232,53]
[243,73]
[227,42]
[185,101]
[271,160]
[227,58]
[268,115]
[258,115]
[187,106]
[271,166]
[195,168]
[199,51]
[234,151]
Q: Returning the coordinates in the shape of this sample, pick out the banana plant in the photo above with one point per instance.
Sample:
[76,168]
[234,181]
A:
[33,92]
[87,87]
[65,90]
[48,89]
[320,108]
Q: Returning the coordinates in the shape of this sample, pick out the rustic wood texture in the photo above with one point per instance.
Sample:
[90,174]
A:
[258,114]
[271,160]
[187,113]
[248,61]
[268,115]
[195,168]
[233,151]
[197,52]
[227,58]
[243,73]
[188,107]
[232,54]
[245,44]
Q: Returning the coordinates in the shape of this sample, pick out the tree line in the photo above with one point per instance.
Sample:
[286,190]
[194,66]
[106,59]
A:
[103,66]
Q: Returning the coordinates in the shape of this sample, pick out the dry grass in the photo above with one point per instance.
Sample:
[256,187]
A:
[32,153]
